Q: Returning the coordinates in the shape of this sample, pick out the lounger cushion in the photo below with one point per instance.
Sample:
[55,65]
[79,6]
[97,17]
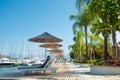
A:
[48,58]
[36,66]
[27,67]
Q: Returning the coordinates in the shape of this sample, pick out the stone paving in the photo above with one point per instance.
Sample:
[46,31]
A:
[65,72]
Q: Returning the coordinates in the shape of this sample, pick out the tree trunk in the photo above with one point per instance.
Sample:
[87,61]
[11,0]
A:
[86,40]
[114,37]
[106,47]
[114,44]
[79,55]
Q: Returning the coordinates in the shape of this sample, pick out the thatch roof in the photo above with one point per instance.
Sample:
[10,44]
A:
[51,45]
[45,38]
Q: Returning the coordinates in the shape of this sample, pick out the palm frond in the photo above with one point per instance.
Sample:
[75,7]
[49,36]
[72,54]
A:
[73,16]
[77,26]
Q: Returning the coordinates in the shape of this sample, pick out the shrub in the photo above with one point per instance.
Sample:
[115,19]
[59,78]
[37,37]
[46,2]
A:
[99,62]
[109,62]
[76,61]
[91,61]
[84,61]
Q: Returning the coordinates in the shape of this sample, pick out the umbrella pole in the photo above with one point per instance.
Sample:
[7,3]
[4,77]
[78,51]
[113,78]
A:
[45,53]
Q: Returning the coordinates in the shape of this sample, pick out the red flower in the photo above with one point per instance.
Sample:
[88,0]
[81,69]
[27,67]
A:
[119,42]
[114,46]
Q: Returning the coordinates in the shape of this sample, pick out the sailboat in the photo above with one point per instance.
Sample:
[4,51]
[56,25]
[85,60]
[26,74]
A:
[29,59]
[25,60]
[4,61]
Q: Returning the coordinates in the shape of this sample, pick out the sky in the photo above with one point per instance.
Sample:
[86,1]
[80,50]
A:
[24,19]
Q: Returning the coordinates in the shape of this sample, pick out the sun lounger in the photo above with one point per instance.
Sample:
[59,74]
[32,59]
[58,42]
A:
[42,67]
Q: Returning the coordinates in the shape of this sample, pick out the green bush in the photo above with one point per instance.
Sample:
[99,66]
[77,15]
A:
[84,61]
[76,61]
[99,62]
[91,61]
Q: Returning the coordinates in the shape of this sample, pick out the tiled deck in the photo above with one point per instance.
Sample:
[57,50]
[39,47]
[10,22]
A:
[65,72]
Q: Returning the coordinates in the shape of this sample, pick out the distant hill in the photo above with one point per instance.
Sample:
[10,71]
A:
[7,57]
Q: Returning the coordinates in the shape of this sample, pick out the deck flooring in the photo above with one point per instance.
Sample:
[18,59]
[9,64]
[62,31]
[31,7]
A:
[64,72]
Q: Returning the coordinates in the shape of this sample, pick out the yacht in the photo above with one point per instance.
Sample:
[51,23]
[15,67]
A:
[6,62]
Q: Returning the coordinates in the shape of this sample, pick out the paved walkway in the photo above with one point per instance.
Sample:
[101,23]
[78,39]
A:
[65,72]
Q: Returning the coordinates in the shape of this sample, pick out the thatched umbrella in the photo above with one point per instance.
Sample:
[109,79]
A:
[45,38]
[51,45]
[55,51]
[59,55]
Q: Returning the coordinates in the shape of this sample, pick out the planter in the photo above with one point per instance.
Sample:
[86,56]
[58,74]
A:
[104,70]
[83,65]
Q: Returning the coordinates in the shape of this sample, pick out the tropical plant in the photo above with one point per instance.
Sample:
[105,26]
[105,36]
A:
[78,47]
[108,12]
[81,4]
[95,46]
[82,22]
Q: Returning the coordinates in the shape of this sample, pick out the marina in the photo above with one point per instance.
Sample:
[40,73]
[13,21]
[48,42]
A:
[59,39]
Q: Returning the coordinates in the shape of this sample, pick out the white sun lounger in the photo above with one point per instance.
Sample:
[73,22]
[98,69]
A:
[30,69]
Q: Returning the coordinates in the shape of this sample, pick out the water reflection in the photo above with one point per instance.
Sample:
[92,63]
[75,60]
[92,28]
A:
[4,70]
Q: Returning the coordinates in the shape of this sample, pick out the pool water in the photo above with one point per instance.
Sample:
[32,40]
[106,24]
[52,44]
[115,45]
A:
[5,70]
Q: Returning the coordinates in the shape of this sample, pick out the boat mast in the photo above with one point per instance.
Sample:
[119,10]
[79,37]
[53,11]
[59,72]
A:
[24,48]
[6,48]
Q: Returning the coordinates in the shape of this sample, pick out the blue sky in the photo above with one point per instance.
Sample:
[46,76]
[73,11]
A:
[20,19]
[29,18]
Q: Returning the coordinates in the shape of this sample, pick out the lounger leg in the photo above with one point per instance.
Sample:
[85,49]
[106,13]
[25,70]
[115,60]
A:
[36,72]
[44,72]
[53,71]
[30,72]
[27,72]
[23,73]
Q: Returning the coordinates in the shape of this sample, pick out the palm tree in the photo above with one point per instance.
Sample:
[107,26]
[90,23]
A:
[96,42]
[77,46]
[102,27]
[83,19]
[73,52]
[79,41]
[108,12]
[113,10]
[81,4]
[82,22]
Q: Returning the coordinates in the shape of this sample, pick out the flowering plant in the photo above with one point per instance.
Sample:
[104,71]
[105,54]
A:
[108,62]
